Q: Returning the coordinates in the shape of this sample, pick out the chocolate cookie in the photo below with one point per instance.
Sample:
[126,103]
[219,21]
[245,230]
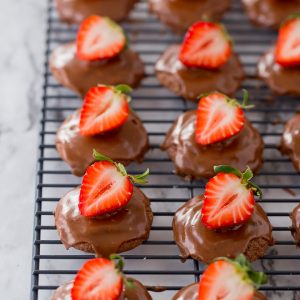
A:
[117,232]
[75,11]
[194,239]
[270,13]
[295,229]
[190,83]
[80,76]
[197,161]
[125,144]
[181,14]
[191,292]
[138,292]
[281,80]
[290,141]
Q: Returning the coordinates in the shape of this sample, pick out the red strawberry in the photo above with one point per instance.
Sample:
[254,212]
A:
[98,280]
[104,108]
[106,187]
[287,51]
[230,280]
[99,38]
[228,198]
[219,117]
[206,45]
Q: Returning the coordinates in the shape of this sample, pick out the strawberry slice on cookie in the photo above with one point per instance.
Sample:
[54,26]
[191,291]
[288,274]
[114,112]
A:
[228,279]
[219,118]
[229,198]
[287,52]
[100,279]
[99,38]
[106,186]
[206,45]
[104,108]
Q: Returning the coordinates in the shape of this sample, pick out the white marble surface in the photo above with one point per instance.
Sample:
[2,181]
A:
[22,27]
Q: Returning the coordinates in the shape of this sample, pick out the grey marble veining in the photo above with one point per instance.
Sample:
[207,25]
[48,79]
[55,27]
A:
[22,27]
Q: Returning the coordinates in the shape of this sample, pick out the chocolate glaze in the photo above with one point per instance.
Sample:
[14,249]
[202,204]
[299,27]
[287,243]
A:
[191,82]
[270,13]
[80,76]
[195,240]
[280,80]
[110,233]
[290,141]
[75,11]
[126,144]
[139,292]
[192,159]
[190,292]
[181,14]
[295,216]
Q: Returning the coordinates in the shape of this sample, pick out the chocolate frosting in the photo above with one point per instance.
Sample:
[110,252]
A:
[190,292]
[125,144]
[201,243]
[108,233]
[192,82]
[80,75]
[281,80]
[290,141]
[75,11]
[181,14]
[192,159]
[295,216]
[270,13]
[139,292]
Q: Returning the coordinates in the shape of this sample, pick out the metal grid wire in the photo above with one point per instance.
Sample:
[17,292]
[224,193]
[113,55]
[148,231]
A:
[156,262]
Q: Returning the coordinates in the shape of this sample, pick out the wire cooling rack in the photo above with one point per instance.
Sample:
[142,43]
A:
[157,263]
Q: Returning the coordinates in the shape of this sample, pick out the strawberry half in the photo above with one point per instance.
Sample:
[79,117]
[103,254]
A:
[219,117]
[230,280]
[100,279]
[104,108]
[228,198]
[106,187]
[287,52]
[206,45]
[99,38]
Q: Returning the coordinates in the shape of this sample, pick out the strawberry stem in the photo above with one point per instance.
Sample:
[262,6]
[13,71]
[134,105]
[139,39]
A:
[101,157]
[123,88]
[119,264]
[140,178]
[246,270]
[245,177]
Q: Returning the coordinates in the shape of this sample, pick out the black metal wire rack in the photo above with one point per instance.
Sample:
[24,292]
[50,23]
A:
[157,263]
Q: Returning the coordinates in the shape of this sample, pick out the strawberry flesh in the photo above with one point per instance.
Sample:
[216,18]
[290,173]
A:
[206,45]
[287,52]
[99,38]
[103,109]
[217,119]
[104,189]
[97,280]
[222,281]
[227,202]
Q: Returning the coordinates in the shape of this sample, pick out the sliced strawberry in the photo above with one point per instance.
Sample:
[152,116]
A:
[104,108]
[230,280]
[287,51]
[219,118]
[99,38]
[228,198]
[206,45]
[106,187]
[98,280]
